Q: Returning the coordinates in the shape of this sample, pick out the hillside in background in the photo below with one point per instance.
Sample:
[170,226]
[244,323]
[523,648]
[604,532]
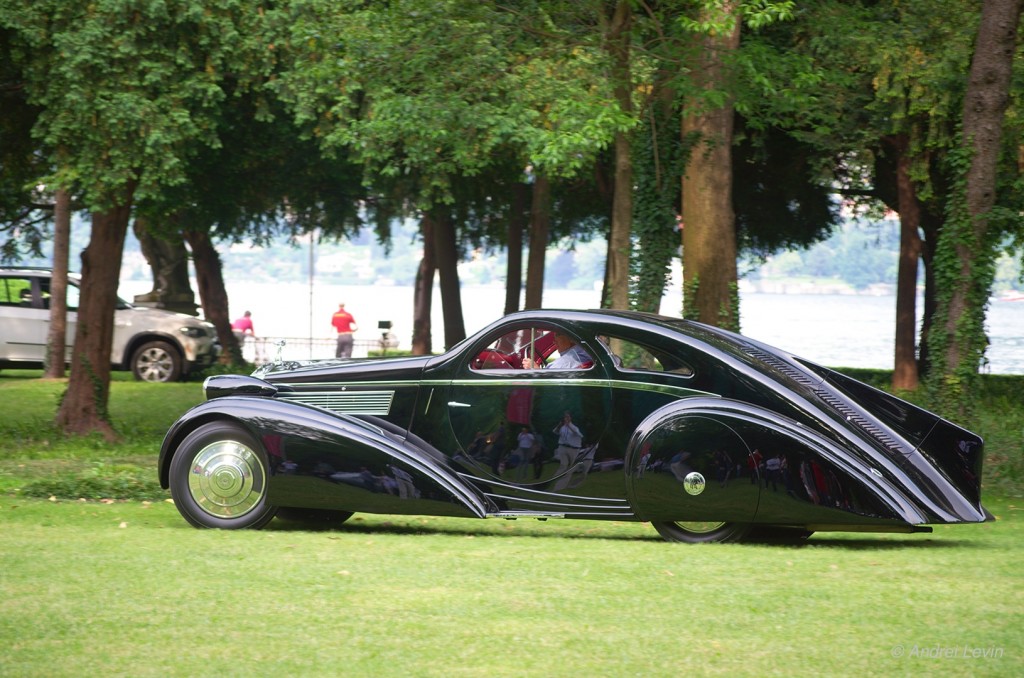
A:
[861,257]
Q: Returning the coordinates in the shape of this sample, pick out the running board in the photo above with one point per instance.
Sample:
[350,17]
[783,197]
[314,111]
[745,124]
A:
[513,515]
[894,529]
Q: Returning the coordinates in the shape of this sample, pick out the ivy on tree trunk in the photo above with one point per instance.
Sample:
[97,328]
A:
[965,260]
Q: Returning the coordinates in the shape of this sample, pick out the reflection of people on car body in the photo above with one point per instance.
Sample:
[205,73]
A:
[678,465]
[570,355]
[523,455]
[645,456]
[406,488]
[579,469]
[570,440]
[723,466]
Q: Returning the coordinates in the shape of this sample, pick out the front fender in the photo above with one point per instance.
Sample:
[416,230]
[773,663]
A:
[320,459]
[758,466]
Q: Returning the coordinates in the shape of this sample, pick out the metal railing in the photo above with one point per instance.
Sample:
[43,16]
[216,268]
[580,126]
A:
[262,350]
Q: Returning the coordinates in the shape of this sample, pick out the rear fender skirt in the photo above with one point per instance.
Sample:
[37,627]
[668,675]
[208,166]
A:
[931,446]
[314,427]
[876,475]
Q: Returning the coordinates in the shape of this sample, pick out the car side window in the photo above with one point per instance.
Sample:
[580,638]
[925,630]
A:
[72,294]
[533,347]
[500,354]
[634,357]
[16,292]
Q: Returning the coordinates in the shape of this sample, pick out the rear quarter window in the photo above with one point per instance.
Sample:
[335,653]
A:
[633,357]
[15,292]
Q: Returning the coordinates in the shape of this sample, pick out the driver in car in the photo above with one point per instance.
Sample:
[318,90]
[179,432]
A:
[571,355]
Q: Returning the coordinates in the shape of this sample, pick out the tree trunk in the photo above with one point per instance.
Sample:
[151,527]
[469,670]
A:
[447,254]
[905,374]
[83,409]
[213,295]
[616,292]
[56,342]
[709,225]
[516,226]
[423,295]
[540,228]
[966,238]
[931,226]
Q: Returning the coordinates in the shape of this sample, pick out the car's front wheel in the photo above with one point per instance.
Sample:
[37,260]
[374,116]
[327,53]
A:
[218,478]
[701,532]
[156,361]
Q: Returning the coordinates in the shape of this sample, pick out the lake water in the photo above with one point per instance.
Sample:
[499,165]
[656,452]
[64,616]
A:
[833,330]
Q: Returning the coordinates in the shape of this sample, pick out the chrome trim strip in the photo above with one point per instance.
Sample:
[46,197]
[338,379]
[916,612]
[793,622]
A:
[680,391]
[542,515]
[539,493]
[563,505]
[345,385]
[669,389]
[555,496]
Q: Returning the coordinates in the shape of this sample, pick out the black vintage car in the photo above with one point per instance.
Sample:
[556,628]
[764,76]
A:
[707,434]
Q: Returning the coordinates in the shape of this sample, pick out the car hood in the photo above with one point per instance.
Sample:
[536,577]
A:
[137,316]
[333,370]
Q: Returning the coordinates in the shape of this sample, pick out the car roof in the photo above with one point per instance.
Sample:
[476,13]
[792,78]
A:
[38,271]
[714,339]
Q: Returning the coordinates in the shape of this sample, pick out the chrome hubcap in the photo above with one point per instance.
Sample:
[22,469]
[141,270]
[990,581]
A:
[699,527]
[226,479]
[155,365]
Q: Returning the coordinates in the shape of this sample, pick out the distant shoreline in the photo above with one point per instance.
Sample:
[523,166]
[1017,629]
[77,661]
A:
[851,330]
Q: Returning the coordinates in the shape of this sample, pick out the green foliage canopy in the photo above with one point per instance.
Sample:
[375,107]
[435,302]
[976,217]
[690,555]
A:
[436,89]
[126,88]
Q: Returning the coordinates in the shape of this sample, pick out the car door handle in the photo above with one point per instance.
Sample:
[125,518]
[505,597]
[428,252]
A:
[455,403]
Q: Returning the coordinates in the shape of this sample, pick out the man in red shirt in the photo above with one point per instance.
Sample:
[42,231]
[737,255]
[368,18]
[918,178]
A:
[345,324]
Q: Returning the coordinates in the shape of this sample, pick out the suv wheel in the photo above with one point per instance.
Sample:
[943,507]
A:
[156,361]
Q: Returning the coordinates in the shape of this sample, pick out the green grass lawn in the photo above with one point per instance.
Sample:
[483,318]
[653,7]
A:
[125,587]
[128,589]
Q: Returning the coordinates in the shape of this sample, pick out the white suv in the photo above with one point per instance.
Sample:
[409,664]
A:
[156,345]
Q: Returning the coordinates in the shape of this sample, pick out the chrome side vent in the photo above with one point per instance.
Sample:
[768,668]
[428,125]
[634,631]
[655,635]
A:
[855,417]
[782,366]
[346,402]
[829,398]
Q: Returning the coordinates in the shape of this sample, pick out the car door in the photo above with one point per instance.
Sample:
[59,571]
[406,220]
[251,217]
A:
[71,319]
[24,330]
[522,412]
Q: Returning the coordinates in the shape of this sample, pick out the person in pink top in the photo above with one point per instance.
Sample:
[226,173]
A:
[243,325]
[345,324]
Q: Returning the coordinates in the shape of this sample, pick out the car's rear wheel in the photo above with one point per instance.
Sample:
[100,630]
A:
[693,532]
[218,478]
[156,361]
